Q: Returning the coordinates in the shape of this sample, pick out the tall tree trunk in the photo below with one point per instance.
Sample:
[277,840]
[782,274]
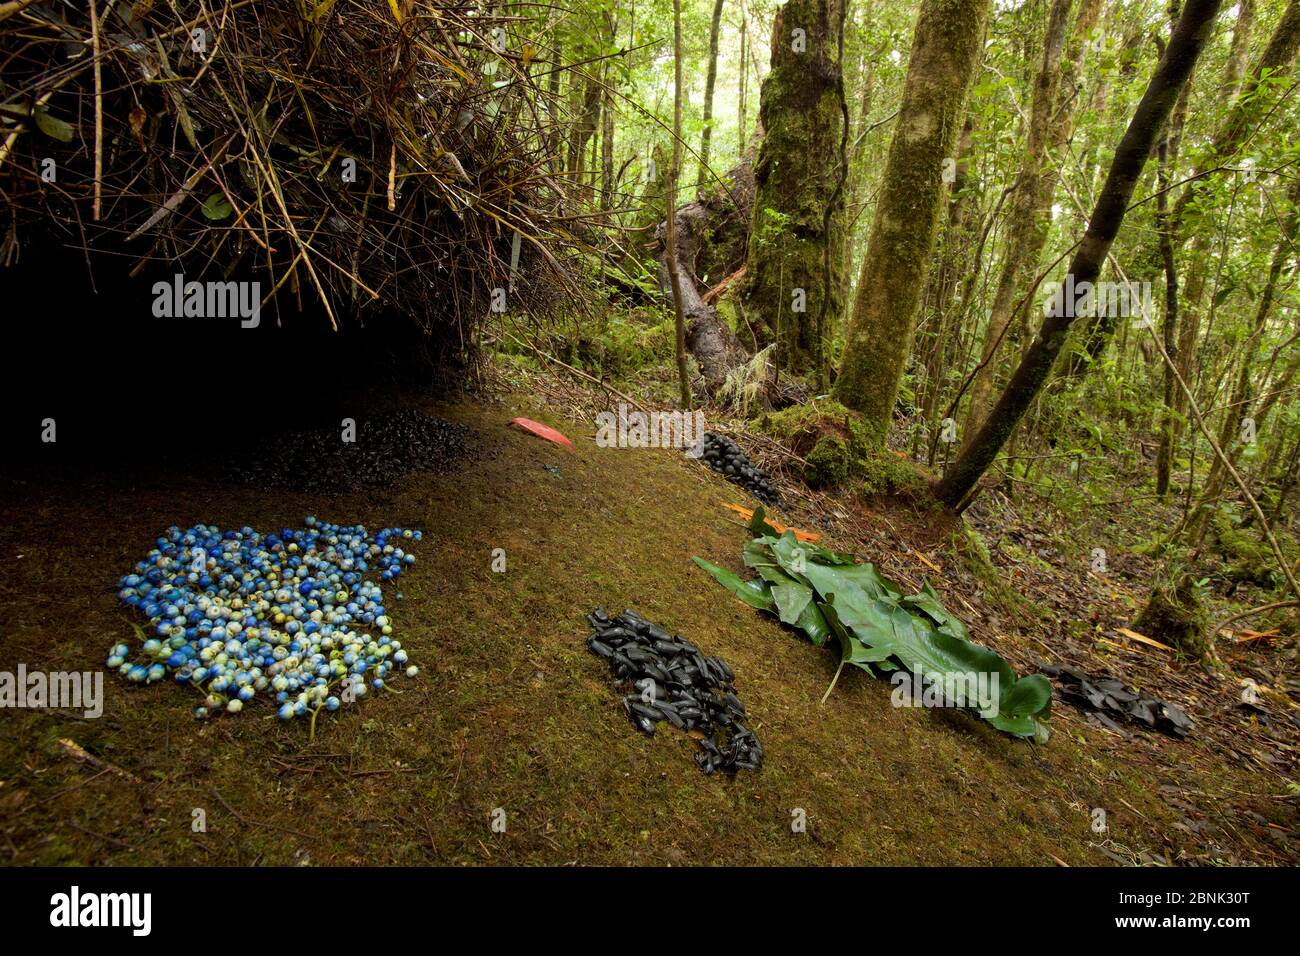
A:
[853,187]
[1168,161]
[1165,454]
[1189,38]
[744,83]
[1235,69]
[946,52]
[711,78]
[1245,110]
[607,153]
[1239,402]
[796,175]
[1028,221]
[553,105]
[584,127]
[670,254]
[607,122]
[958,263]
[1233,76]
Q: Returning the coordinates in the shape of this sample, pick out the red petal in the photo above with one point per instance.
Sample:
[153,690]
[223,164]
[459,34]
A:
[541,431]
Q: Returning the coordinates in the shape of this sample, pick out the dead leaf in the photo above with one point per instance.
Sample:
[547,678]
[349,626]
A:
[1143,639]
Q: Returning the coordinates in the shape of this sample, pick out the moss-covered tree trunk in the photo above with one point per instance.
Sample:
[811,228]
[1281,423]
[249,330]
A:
[946,50]
[1168,161]
[670,246]
[947,305]
[743,89]
[796,175]
[1234,70]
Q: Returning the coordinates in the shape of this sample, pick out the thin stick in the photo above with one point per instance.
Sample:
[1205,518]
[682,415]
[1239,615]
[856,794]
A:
[1251,613]
[99,113]
[392,178]
[7,10]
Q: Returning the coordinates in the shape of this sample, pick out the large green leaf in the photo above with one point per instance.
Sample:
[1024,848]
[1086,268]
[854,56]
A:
[813,623]
[753,593]
[791,598]
[928,602]
[821,593]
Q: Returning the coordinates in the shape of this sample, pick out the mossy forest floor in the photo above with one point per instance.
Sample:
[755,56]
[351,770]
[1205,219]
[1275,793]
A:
[511,710]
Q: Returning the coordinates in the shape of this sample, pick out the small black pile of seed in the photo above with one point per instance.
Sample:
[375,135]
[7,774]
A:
[673,681]
[726,458]
[387,447]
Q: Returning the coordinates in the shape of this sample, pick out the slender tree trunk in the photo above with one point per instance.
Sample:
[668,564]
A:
[553,105]
[1165,454]
[1239,401]
[584,127]
[853,187]
[607,153]
[1168,161]
[947,306]
[1189,38]
[1198,257]
[744,82]
[1028,222]
[946,52]
[1235,69]
[607,123]
[670,255]
[711,78]
[1246,109]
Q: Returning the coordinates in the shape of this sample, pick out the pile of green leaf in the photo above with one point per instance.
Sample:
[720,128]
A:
[826,594]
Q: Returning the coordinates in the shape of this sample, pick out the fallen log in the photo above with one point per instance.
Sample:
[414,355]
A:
[712,237]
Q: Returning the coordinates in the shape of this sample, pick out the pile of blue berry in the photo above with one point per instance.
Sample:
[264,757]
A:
[290,616]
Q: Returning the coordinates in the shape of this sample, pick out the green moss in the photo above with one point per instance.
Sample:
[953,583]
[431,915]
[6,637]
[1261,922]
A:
[1024,556]
[840,448]
[727,312]
[801,427]
[623,345]
[1249,560]
[830,463]
[1175,615]
[884,473]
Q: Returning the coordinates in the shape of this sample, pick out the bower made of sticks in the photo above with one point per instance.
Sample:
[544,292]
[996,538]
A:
[364,163]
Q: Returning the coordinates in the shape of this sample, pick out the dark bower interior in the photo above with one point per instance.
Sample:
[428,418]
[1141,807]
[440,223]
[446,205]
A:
[383,171]
[125,387]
